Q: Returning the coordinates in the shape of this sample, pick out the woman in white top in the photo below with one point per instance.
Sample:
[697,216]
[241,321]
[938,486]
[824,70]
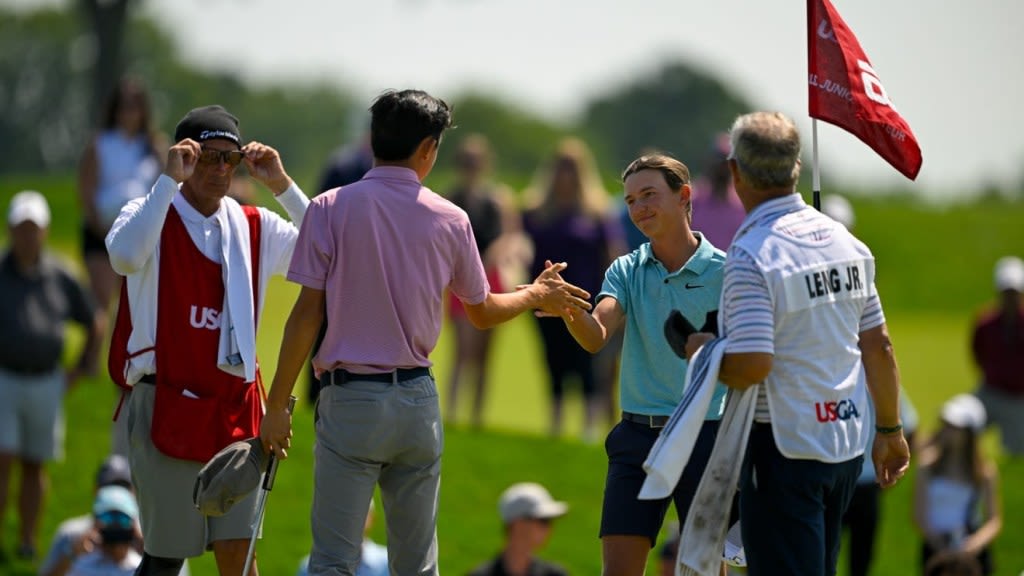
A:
[956,497]
[121,163]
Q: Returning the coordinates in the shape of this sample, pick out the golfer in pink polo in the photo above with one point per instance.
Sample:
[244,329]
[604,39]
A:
[377,256]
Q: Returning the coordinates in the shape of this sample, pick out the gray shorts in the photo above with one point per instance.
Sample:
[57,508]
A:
[171,525]
[32,415]
[1004,411]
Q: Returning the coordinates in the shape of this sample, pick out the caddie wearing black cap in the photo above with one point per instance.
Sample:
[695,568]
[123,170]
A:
[187,351]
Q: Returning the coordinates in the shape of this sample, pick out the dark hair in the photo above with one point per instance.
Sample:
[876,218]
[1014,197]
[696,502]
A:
[401,120]
[129,88]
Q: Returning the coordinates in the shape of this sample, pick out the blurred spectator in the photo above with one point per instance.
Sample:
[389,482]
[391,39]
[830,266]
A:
[717,211]
[998,347]
[569,221]
[374,559]
[349,163]
[346,165]
[120,163]
[956,495]
[862,513]
[115,517]
[953,564]
[38,295]
[78,536]
[496,228]
[839,209]
[527,512]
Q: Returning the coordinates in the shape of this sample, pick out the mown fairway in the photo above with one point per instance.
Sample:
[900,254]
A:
[934,270]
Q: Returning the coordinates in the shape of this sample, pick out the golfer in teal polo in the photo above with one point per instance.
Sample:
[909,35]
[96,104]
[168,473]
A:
[677,270]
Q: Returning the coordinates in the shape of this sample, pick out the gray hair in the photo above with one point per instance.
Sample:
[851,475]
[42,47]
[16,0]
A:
[766,148]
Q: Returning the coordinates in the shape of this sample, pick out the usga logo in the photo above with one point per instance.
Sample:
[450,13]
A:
[206,318]
[832,411]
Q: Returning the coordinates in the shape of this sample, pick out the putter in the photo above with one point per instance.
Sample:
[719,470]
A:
[261,502]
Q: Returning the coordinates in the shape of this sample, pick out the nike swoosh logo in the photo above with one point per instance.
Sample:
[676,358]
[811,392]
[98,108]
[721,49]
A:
[692,286]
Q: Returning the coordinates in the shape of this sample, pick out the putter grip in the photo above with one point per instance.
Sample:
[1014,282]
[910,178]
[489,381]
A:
[268,478]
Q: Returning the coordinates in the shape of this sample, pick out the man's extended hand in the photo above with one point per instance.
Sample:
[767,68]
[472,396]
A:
[276,431]
[182,159]
[891,455]
[264,163]
[558,297]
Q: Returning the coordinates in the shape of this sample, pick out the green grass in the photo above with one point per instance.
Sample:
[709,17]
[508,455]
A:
[949,250]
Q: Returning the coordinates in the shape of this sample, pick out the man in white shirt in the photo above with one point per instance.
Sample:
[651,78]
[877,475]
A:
[803,320]
[188,349]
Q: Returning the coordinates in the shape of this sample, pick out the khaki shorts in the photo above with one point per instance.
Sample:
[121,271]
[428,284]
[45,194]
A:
[171,525]
[31,415]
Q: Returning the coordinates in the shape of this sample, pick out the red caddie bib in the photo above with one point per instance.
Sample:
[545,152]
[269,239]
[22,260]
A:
[199,408]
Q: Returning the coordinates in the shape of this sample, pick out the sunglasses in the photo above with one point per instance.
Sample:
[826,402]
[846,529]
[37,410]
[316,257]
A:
[229,157]
[115,520]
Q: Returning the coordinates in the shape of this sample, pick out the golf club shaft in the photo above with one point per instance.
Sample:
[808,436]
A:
[261,502]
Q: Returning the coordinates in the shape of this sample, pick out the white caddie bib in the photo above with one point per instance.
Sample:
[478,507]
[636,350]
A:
[816,391]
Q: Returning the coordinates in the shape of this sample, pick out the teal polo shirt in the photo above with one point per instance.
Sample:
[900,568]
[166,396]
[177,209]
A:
[651,376]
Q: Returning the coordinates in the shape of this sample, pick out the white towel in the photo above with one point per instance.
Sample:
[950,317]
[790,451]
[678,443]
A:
[236,352]
[672,450]
[703,535]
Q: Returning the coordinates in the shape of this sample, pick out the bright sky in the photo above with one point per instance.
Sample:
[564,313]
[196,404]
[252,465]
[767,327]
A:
[951,67]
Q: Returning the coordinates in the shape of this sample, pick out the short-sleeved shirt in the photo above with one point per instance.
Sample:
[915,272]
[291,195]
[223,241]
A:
[98,564]
[385,249]
[34,311]
[652,377]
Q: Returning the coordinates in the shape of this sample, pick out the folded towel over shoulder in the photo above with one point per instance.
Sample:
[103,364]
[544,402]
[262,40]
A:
[671,451]
[236,353]
[702,537]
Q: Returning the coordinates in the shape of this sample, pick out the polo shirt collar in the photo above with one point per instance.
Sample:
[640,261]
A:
[780,205]
[188,212]
[697,263]
[393,173]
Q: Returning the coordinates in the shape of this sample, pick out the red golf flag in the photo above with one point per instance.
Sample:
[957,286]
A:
[844,90]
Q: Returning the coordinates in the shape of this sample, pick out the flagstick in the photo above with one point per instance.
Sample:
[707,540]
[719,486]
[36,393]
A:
[816,177]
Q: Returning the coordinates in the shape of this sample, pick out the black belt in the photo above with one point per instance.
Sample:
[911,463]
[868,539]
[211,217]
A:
[341,376]
[148,379]
[649,421]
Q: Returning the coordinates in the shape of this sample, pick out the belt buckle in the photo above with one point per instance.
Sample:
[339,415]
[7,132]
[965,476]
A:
[652,423]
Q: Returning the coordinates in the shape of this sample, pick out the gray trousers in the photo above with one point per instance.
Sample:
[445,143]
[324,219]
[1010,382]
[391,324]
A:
[369,433]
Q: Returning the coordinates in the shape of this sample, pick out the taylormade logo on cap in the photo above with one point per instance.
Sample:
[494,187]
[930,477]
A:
[208,123]
[211,134]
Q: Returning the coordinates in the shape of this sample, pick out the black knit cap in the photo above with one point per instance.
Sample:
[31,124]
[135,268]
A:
[208,123]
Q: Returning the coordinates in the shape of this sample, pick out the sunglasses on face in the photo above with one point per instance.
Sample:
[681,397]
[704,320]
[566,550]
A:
[229,157]
[115,520]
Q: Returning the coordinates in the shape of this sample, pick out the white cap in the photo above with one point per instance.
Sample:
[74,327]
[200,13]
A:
[838,208]
[29,205]
[965,411]
[529,500]
[1010,274]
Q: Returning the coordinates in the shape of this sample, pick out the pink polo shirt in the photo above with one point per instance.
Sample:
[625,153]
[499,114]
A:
[384,249]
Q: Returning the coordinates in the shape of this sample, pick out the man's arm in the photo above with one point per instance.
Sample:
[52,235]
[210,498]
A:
[890,452]
[299,334]
[133,237]
[548,293]
[592,331]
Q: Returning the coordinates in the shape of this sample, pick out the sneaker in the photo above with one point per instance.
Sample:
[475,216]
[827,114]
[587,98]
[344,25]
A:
[733,555]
